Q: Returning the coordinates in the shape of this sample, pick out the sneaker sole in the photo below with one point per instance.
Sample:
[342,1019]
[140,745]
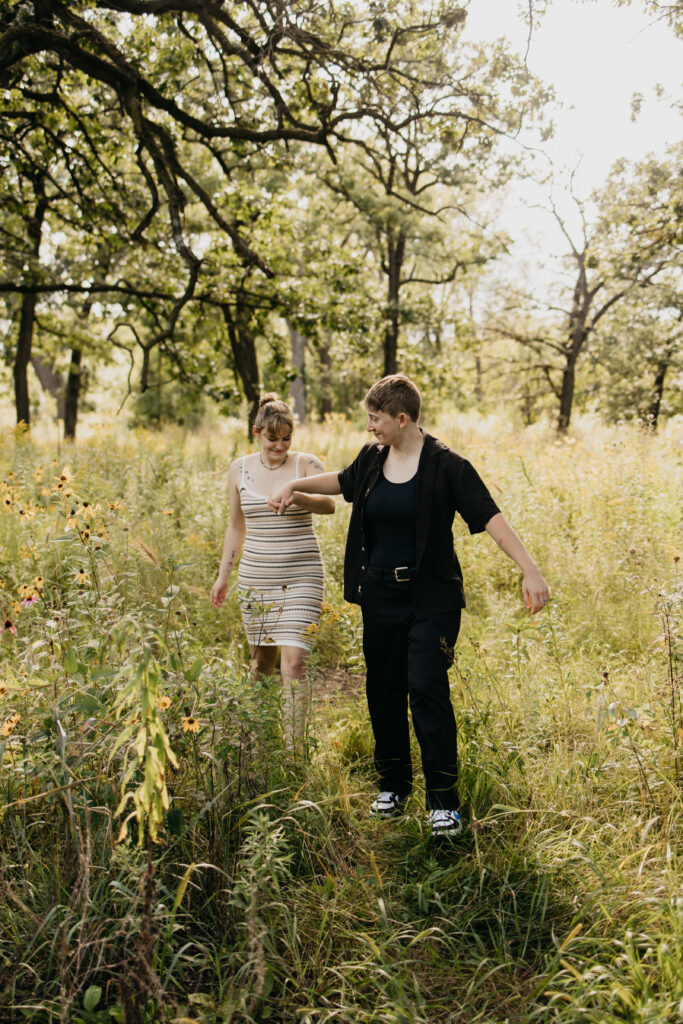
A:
[447,833]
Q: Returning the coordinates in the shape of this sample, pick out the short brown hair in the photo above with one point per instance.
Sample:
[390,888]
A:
[273,415]
[394,394]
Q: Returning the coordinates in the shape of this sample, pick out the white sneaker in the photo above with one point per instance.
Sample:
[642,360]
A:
[387,805]
[445,823]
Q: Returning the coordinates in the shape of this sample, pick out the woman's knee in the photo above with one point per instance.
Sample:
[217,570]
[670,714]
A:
[293,663]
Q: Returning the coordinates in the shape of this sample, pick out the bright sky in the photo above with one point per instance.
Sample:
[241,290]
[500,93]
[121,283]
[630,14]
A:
[596,56]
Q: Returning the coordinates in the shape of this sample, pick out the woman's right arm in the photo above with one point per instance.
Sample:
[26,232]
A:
[234,539]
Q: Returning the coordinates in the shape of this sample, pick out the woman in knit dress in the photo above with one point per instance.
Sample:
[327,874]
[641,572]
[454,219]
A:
[280,578]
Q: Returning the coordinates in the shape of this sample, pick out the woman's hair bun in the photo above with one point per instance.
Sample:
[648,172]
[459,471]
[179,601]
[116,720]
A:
[265,399]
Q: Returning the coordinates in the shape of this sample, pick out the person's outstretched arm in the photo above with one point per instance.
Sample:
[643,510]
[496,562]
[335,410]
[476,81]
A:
[323,483]
[232,544]
[534,588]
[320,503]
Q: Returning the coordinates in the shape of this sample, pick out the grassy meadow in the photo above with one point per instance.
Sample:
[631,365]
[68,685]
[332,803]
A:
[163,857]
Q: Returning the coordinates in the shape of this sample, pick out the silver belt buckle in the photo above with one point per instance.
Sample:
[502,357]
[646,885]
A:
[397,570]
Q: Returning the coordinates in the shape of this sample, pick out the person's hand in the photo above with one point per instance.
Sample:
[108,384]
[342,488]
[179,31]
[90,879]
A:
[535,591]
[280,500]
[219,591]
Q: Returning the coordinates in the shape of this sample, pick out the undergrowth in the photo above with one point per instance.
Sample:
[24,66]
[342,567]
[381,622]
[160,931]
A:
[164,857]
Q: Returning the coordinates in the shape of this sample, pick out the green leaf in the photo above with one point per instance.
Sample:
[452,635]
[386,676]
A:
[92,998]
[192,674]
[86,703]
[70,662]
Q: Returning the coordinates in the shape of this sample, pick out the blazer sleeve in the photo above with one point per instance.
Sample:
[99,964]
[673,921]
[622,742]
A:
[471,497]
[349,478]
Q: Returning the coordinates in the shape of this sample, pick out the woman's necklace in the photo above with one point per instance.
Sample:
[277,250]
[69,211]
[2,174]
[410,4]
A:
[272,469]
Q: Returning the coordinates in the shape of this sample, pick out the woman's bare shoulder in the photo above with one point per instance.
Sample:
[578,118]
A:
[310,464]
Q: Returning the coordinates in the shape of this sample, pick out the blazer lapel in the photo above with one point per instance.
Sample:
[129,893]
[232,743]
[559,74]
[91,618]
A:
[426,476]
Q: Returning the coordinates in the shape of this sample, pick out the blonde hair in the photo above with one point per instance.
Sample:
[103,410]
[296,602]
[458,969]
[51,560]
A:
[273,415]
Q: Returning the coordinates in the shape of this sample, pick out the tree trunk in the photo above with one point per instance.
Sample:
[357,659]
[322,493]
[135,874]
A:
[71,395]
[478,385]
[51,382]
[566,397]
[394,263]
[23,357]
[325,380]
[297,387]
[29,301]
[658,391]
[243,345]
[577,339]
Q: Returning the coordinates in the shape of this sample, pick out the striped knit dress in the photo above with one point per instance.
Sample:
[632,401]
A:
[280,578]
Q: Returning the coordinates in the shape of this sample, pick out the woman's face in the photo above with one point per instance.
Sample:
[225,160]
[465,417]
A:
[274,444]
[386,428]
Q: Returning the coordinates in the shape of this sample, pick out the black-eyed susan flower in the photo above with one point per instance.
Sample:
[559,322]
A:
[81,577]
[3,687]
[164,703]
[190,724]
[9,725]
[167,511]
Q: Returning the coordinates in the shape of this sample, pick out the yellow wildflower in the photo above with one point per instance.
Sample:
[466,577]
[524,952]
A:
[190,724]
[167,511]
[164,703]
[8,726]
[3,687]
[81,577]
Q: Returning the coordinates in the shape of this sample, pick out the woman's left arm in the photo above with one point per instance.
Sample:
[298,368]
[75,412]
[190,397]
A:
[534,588]
[322,504]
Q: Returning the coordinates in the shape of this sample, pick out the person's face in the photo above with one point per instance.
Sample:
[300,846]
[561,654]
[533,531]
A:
[275,445]
[386,428]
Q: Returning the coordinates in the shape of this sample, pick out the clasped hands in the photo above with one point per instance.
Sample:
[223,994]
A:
[280,500]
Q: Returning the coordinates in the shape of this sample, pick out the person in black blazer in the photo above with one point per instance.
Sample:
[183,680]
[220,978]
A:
[401,567]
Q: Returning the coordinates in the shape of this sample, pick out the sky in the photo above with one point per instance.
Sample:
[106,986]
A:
[596,56]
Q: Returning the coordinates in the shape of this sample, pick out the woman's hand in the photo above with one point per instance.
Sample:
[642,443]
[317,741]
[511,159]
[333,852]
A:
[280,500]
[535,591]
[219,591]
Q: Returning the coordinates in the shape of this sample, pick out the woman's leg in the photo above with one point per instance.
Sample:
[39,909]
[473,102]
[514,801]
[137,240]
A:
[263,661]
[296,698]
[387,612]
[431,639]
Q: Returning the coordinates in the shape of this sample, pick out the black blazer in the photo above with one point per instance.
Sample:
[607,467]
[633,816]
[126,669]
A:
[446,484]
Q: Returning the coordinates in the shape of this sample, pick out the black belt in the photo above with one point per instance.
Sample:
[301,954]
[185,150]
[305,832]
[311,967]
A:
[401,574]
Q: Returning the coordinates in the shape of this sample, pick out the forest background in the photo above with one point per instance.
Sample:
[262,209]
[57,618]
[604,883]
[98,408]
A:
[190,213]
[201,201]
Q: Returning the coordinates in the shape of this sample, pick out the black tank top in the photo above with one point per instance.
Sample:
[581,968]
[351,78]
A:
[391,512]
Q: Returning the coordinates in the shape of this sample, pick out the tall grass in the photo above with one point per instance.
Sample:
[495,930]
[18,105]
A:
[249,885]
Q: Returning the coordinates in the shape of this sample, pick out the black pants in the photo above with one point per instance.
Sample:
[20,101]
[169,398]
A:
[408,652]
